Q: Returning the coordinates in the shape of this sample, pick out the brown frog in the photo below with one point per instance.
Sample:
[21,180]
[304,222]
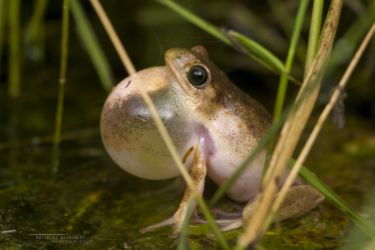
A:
[213,124]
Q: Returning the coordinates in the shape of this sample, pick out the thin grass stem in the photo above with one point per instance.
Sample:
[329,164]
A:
[292,130]
[62,82]
[323,117]
[159,124]
[283,84]
[114,37]
[2,24]
[88,37]
[182,239]
[256,51]
[201,23]
[314,33]
[34,28]
[253,48]
[14,49]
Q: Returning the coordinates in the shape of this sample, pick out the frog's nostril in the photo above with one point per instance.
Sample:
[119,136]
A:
[127,85]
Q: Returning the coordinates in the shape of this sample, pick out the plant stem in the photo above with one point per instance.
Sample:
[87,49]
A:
[315,132]
[291,132]
[89,39]
[209,28]
[315,27]
[34,30]
[62,81]
[2,23]
[121,51]
[14,48]
[234,39]
[158,122]
[283,84]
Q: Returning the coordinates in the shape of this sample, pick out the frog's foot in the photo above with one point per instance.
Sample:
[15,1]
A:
[168,222]
[175,222]
[198,175]
[299,200]
[228,225]
[221,215]
[224,224]
[225,220]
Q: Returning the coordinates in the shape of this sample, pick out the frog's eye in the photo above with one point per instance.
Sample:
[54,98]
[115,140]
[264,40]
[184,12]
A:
[197,75]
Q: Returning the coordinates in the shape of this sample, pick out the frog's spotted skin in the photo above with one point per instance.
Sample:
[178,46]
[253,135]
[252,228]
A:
[232,122]
[201,109]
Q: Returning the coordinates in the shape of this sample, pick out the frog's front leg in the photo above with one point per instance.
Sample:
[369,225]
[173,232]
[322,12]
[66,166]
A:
[299,200]
[198,175]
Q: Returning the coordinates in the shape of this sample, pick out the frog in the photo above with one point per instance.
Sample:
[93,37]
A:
[213,124]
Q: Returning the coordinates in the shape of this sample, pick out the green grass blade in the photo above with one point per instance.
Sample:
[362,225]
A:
[14,48]
[182,240]
[194,19]
[347,45]
[2,23]
[62,81]
[283,84]
[212,223]
[33,35]
[255,49]
[358,220]
[87,35]
[258,52]
[314,33]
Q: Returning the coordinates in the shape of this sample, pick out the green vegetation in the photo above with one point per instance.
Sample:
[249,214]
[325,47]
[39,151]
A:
[103,207]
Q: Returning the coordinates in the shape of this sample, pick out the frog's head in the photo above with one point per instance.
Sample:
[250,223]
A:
[187,87]
[202,81]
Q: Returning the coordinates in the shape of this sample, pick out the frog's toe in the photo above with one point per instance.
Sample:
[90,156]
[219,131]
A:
[168,222]
[231,224]
[224,224]
[223,215]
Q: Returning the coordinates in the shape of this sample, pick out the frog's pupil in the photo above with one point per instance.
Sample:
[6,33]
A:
[197,75]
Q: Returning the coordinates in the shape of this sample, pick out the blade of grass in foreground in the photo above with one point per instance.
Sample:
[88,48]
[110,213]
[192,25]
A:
[128,64]
[283,84]
[255,49]
[291,131]
[314,33]
[319,124]
[309,176]
[183,239]
[337,200]
[87,35]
